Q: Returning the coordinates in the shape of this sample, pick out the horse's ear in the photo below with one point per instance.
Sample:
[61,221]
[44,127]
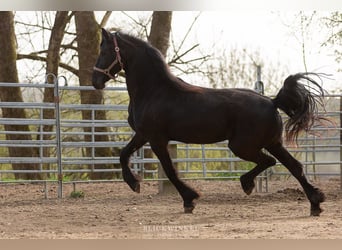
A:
[105,34]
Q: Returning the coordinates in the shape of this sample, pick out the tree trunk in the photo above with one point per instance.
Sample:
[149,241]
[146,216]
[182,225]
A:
[159,38]
[88,42]
[52,63]
[8,73]
[160,30]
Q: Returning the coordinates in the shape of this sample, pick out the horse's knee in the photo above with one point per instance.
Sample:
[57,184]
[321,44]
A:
[270,161]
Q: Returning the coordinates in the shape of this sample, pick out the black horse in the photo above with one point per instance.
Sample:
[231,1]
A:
[162,108]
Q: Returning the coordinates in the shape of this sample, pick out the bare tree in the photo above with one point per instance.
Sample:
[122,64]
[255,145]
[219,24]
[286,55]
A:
[85,50]
[88,43]
[160,30]
[334,24]
[188,60]
[9,73]
[45,25]
[52,66]
[237,68]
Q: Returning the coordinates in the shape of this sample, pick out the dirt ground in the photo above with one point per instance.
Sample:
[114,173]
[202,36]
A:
[111,210]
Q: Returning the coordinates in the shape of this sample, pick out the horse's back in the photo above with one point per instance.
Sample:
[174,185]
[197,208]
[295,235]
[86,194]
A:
[210,115]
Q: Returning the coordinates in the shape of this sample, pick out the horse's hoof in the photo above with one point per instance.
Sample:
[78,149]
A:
[318,196]
[247,185]
[135,186]
[188,210]
[316,212]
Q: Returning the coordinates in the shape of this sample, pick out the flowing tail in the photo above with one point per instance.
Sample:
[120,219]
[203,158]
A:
[300,104]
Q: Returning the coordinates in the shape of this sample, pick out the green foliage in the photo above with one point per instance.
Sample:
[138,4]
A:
[218,162]
[77,194]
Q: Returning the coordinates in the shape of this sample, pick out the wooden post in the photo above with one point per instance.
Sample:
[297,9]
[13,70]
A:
[259,87]
[165,186]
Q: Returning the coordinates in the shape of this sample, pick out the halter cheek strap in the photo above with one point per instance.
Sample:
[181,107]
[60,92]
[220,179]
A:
[116,61]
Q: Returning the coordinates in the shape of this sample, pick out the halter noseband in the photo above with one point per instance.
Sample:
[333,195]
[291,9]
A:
[116,61]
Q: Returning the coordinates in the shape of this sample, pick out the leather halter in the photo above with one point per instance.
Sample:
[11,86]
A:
[116,61]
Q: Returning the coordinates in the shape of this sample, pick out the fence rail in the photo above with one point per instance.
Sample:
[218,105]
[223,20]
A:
[69,150]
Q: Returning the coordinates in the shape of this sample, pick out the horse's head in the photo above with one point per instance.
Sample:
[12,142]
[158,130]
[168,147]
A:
[109,62]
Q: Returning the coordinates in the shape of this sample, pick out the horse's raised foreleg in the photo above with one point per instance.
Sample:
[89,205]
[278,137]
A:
[314,195]
[131,179]
[186,192]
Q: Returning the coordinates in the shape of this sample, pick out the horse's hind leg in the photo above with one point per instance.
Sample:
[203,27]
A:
[262,160]
[186,192]
[131,179]
[314,195]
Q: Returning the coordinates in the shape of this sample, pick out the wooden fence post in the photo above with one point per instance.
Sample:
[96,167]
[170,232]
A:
[165,186]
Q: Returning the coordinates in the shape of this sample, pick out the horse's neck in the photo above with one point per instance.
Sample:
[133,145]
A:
[137,89]
[142,83]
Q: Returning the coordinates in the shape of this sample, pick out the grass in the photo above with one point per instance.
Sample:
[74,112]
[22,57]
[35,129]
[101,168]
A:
[77,194]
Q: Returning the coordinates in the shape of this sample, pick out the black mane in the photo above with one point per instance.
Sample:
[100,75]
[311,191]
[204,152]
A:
[158,62]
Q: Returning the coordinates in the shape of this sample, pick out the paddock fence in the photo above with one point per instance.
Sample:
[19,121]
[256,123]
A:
[70,152]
